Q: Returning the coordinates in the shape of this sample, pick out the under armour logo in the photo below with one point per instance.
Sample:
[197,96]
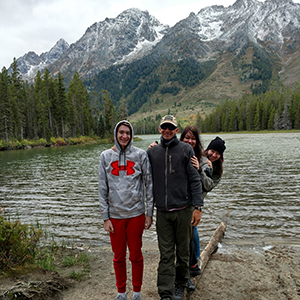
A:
[128,168]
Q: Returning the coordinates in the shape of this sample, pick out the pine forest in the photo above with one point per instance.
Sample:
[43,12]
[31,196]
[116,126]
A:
[48,111]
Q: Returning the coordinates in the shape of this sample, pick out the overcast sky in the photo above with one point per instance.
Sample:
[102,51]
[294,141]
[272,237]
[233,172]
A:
[36,25]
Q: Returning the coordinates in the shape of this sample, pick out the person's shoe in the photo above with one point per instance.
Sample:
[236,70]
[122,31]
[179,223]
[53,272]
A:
[195,271]
[178,292]
[165,298]
[137,297]
[190,286]
[120,297]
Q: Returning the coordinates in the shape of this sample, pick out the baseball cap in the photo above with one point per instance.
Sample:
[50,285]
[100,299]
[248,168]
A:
[168,119]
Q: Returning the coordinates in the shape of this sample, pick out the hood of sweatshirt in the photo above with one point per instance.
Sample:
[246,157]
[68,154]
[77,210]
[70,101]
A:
[129,145]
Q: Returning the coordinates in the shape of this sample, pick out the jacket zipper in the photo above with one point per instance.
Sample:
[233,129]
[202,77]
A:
[166,178]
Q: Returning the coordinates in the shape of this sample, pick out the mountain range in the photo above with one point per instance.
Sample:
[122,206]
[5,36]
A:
[244,39]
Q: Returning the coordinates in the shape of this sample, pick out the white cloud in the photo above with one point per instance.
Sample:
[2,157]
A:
[36,25]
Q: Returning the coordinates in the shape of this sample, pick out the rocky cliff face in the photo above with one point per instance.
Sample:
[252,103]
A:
[30,63]
[129,36]
[272,25]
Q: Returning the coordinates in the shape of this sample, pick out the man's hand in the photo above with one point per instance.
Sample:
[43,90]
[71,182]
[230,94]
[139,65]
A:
[148,222]
[153,144]
[108,226]
[197,215]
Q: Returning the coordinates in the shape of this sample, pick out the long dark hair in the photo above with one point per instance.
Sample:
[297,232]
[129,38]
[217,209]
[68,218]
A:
[198,148]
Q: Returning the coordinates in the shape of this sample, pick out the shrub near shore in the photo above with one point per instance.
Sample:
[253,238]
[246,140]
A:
[18,243]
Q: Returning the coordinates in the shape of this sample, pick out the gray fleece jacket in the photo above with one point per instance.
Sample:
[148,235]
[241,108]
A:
[125,181]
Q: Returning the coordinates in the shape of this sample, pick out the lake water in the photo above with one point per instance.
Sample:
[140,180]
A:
[259,194]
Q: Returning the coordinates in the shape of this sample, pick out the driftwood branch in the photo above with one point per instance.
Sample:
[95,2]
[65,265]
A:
[37,290]
[212,246]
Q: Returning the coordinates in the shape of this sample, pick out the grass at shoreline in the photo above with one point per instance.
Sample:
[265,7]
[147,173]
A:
[26,248]
[54,142]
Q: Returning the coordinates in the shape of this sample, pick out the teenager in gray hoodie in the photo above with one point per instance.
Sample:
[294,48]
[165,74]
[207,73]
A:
[125,184]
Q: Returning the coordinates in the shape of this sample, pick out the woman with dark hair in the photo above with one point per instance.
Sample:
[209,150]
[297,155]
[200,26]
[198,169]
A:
[210,168]
[190,135]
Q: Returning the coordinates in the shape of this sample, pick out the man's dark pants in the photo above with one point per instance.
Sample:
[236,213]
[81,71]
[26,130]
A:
[174,230]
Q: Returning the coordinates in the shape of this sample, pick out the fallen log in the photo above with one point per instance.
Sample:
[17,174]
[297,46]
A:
[205,255]
[212,246]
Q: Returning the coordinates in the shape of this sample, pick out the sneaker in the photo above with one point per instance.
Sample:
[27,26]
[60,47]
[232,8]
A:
[178,292]
[120,297]
[195,271]
[137,297]
[190,286]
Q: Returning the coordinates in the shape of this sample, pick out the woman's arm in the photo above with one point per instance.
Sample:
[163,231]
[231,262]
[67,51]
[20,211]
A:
[208,182]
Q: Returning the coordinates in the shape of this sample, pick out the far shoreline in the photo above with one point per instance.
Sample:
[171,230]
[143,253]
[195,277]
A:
[86,140]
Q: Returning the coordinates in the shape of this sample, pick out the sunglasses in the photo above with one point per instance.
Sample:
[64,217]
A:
[170,126]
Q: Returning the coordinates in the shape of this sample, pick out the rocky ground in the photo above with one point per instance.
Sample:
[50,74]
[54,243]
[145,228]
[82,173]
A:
[242,274]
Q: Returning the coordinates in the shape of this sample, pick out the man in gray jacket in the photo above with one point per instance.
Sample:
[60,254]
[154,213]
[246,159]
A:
[178,199]
[125,184]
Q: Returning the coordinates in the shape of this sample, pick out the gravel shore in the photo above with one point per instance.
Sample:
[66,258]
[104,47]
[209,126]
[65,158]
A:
[273,273]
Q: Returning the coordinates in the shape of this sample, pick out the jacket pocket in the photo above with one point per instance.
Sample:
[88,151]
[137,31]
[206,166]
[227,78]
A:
[173,164]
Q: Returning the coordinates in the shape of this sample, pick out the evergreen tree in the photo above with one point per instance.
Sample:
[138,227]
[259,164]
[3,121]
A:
[271,118]
[6,129]
[48,95]
[108,112]
[276,125]
[198,124]
[233,121]
[60,107]
[285,120]
[78,100]
[122,112]
[101,127]
[295,109]
[16,99]
[256,122]
[41,109]
[95,111]
[250,107]
[241,114]
[30,112]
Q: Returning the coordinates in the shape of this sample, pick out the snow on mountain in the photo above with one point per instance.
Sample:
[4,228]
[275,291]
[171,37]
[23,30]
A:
[267,24]
[30,63]
[130,35]
[261,20]
[134,34]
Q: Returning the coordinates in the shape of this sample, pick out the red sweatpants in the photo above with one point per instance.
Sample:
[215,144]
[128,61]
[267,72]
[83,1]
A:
[128,232]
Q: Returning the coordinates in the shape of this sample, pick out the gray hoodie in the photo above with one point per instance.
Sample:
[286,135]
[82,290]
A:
[125,181]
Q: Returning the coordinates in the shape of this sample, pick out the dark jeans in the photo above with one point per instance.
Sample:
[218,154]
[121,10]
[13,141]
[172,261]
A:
[174,231]
[194,247]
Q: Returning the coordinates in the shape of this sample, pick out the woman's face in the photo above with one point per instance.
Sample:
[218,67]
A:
[190,139]
[213,155]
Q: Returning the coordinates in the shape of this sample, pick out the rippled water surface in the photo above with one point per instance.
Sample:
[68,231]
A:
[259,194]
